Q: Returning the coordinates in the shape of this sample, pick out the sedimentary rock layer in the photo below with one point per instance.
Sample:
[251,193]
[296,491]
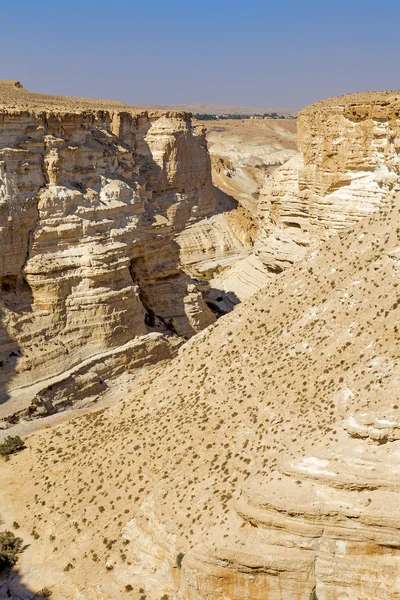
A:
[325,525]
[91,198]
[348,164]
[243,155]
[245,152]
[261,461]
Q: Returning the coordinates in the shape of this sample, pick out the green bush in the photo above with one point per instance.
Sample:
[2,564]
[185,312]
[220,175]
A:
[11,445]
[10,547]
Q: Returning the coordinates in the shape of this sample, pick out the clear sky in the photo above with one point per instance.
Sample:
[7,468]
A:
[257,53]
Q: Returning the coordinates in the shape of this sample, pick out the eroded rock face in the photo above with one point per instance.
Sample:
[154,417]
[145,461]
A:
[91,201]
[245,152]
[351,156]
[325,525]
[243,155]
[347,167]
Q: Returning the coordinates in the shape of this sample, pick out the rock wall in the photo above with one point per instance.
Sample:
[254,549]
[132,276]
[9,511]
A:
[348,164]
[90,203]
[244,152]
[243,155]
[351,150]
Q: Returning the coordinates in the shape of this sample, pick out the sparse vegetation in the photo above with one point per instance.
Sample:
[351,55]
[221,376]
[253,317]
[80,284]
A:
[10,548]
[264,382]
[45,593]
[11,445]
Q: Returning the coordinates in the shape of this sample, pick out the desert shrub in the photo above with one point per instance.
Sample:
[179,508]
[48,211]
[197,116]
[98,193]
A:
[45,593]
[10,547]
[179,559]
[11,444]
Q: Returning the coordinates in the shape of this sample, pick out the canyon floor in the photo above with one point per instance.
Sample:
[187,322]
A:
[250,457]
[245,152]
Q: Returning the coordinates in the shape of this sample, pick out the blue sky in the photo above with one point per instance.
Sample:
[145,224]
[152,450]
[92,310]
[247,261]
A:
[254,53]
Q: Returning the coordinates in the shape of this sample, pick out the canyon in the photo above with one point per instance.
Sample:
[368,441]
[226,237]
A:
[179,456]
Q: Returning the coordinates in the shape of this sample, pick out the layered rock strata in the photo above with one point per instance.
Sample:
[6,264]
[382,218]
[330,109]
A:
[91,198]
[348,164]
[326,525]
[243,155]
[244,152]
[262,460]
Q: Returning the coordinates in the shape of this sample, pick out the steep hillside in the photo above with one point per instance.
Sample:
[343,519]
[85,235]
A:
[260,462]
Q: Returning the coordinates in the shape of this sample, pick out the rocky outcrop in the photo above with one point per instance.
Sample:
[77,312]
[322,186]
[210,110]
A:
[217,241]
[92,378]
[282,238]
[347,166]
[91,200]
[245,152]
[351,152]
[326,525]
[260,461]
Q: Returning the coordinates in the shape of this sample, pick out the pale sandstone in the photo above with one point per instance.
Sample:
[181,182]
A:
[348,164]
[243,155]
[234,470]
[91,198]
[326,525]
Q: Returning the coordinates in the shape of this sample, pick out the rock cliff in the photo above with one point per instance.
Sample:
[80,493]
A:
[348,164]
[92,196]
[245,152]
[262,460]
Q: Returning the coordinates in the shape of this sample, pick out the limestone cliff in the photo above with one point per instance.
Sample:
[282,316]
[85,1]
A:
[91,198]
[261,461]
[348,163]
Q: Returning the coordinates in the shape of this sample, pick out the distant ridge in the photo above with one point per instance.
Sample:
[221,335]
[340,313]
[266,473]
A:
[12,83]
[215,109]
